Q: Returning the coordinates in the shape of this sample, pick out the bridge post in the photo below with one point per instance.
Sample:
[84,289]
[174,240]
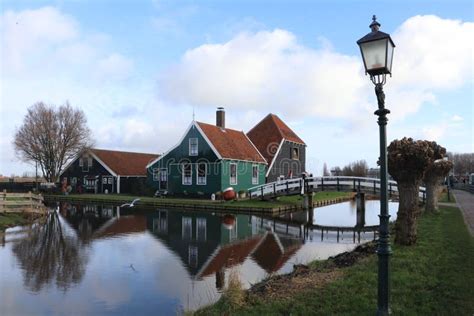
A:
[261,191]
[358,185]
[249,193]
[375,187]
[354,185]
[274,189]
[287,187]
[360,202]
[390,189]
[337,184]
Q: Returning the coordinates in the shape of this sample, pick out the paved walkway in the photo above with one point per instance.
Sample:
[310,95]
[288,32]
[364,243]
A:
[465,202]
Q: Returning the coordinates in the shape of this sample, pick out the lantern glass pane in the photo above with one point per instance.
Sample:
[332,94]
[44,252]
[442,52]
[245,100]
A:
[389,56]
[374,54]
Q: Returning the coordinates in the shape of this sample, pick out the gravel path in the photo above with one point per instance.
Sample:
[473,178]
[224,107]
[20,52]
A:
[465,202]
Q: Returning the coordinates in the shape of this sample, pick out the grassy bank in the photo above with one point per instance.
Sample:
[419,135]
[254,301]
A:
[434,277]
[12,219]
[444,197]
[282,202]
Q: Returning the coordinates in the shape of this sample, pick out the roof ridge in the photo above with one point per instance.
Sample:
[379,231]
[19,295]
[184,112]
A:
[123,151]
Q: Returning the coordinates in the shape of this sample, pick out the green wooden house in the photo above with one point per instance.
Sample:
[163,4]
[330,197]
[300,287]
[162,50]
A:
[208,159]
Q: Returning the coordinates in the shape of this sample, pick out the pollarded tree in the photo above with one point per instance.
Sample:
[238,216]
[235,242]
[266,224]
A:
[436,171]
[407,163]
[51,137]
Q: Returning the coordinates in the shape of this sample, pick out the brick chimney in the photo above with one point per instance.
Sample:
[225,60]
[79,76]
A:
[220,117]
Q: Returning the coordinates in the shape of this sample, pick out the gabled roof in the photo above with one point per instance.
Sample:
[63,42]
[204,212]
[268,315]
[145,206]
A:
[124,163]
[269,133]
[230,144]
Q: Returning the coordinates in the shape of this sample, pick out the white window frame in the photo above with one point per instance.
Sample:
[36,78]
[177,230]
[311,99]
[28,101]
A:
[254,179]
[205,174]
[183,177]
[89,162]
[193,153]
[163,171]
[187,223]
[230,174]
[156,174]
[201,221]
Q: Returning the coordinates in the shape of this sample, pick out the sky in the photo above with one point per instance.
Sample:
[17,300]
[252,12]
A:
[139,69]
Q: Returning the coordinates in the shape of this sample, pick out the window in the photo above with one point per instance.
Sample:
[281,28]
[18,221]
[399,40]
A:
[111,180]
[163,175]
[156,173]
[233,173]
[255,174]
[201,224]
[85,166]
[295,153]
[193,146]
[187,174]
[187,228]
[89,161]
[81,162]
[201,173]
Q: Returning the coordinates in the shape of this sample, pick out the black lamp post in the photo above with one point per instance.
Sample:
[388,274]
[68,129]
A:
[377,52]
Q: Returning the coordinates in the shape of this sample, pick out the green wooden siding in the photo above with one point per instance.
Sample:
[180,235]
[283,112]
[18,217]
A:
[244,174]
[218,177]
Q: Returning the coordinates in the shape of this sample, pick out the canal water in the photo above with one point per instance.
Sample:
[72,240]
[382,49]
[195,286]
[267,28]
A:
[99,260]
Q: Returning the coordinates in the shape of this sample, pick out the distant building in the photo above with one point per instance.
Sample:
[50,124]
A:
[208,159]
[107,171]
[373,173]
[284,151]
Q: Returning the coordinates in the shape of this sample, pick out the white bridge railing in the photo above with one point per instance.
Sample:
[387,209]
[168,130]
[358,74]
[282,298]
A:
[314,184]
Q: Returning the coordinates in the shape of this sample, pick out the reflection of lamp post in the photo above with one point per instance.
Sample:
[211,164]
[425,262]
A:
[377,53]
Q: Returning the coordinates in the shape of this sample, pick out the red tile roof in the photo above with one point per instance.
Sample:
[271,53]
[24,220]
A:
[231,144]
[269,255]
[268,134]
[125,163]
[230,255]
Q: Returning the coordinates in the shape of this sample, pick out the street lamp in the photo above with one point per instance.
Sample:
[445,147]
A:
[377,53]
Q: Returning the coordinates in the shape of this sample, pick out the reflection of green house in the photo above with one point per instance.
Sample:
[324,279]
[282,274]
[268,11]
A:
[197,237]
[208,159]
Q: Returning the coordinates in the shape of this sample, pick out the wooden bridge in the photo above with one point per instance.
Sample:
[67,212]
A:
[21,203]
[316,184]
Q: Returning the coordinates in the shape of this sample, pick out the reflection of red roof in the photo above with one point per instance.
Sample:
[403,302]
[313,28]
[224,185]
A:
[269,254]
[125,163]
[230,255]
[230,143]
[268,134]
[122,226]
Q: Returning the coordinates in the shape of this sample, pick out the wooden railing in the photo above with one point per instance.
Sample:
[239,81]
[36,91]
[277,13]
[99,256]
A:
[21,203]
[316,184]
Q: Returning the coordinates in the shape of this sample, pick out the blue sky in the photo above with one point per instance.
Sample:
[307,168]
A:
[138,68]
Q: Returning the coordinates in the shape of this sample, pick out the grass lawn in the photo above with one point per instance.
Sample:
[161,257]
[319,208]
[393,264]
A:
[434,277]
[11,219]
[281,202]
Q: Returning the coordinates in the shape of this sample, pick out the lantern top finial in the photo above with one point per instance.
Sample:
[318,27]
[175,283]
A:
[374,26]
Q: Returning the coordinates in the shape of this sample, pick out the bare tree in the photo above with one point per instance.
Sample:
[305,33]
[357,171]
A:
[436,171]
[51,137]
[325,170]
[407,163]
[463,163]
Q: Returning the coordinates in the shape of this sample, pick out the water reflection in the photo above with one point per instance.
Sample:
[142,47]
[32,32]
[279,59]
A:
[160,261]
[50,255]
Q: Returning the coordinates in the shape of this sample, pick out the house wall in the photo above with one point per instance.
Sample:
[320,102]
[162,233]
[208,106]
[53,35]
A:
[76,171]
[172,162]
[284,163]
[244,175]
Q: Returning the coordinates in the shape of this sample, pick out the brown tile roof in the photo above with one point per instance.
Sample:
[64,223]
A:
[124,225]
[231,255]
[269,255]
[230,143]
[125,163]
[268,133]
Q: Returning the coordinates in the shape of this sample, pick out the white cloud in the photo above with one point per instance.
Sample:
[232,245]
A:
[457,118]
[115,67]
[271,70]
[434,132]
[267,70]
